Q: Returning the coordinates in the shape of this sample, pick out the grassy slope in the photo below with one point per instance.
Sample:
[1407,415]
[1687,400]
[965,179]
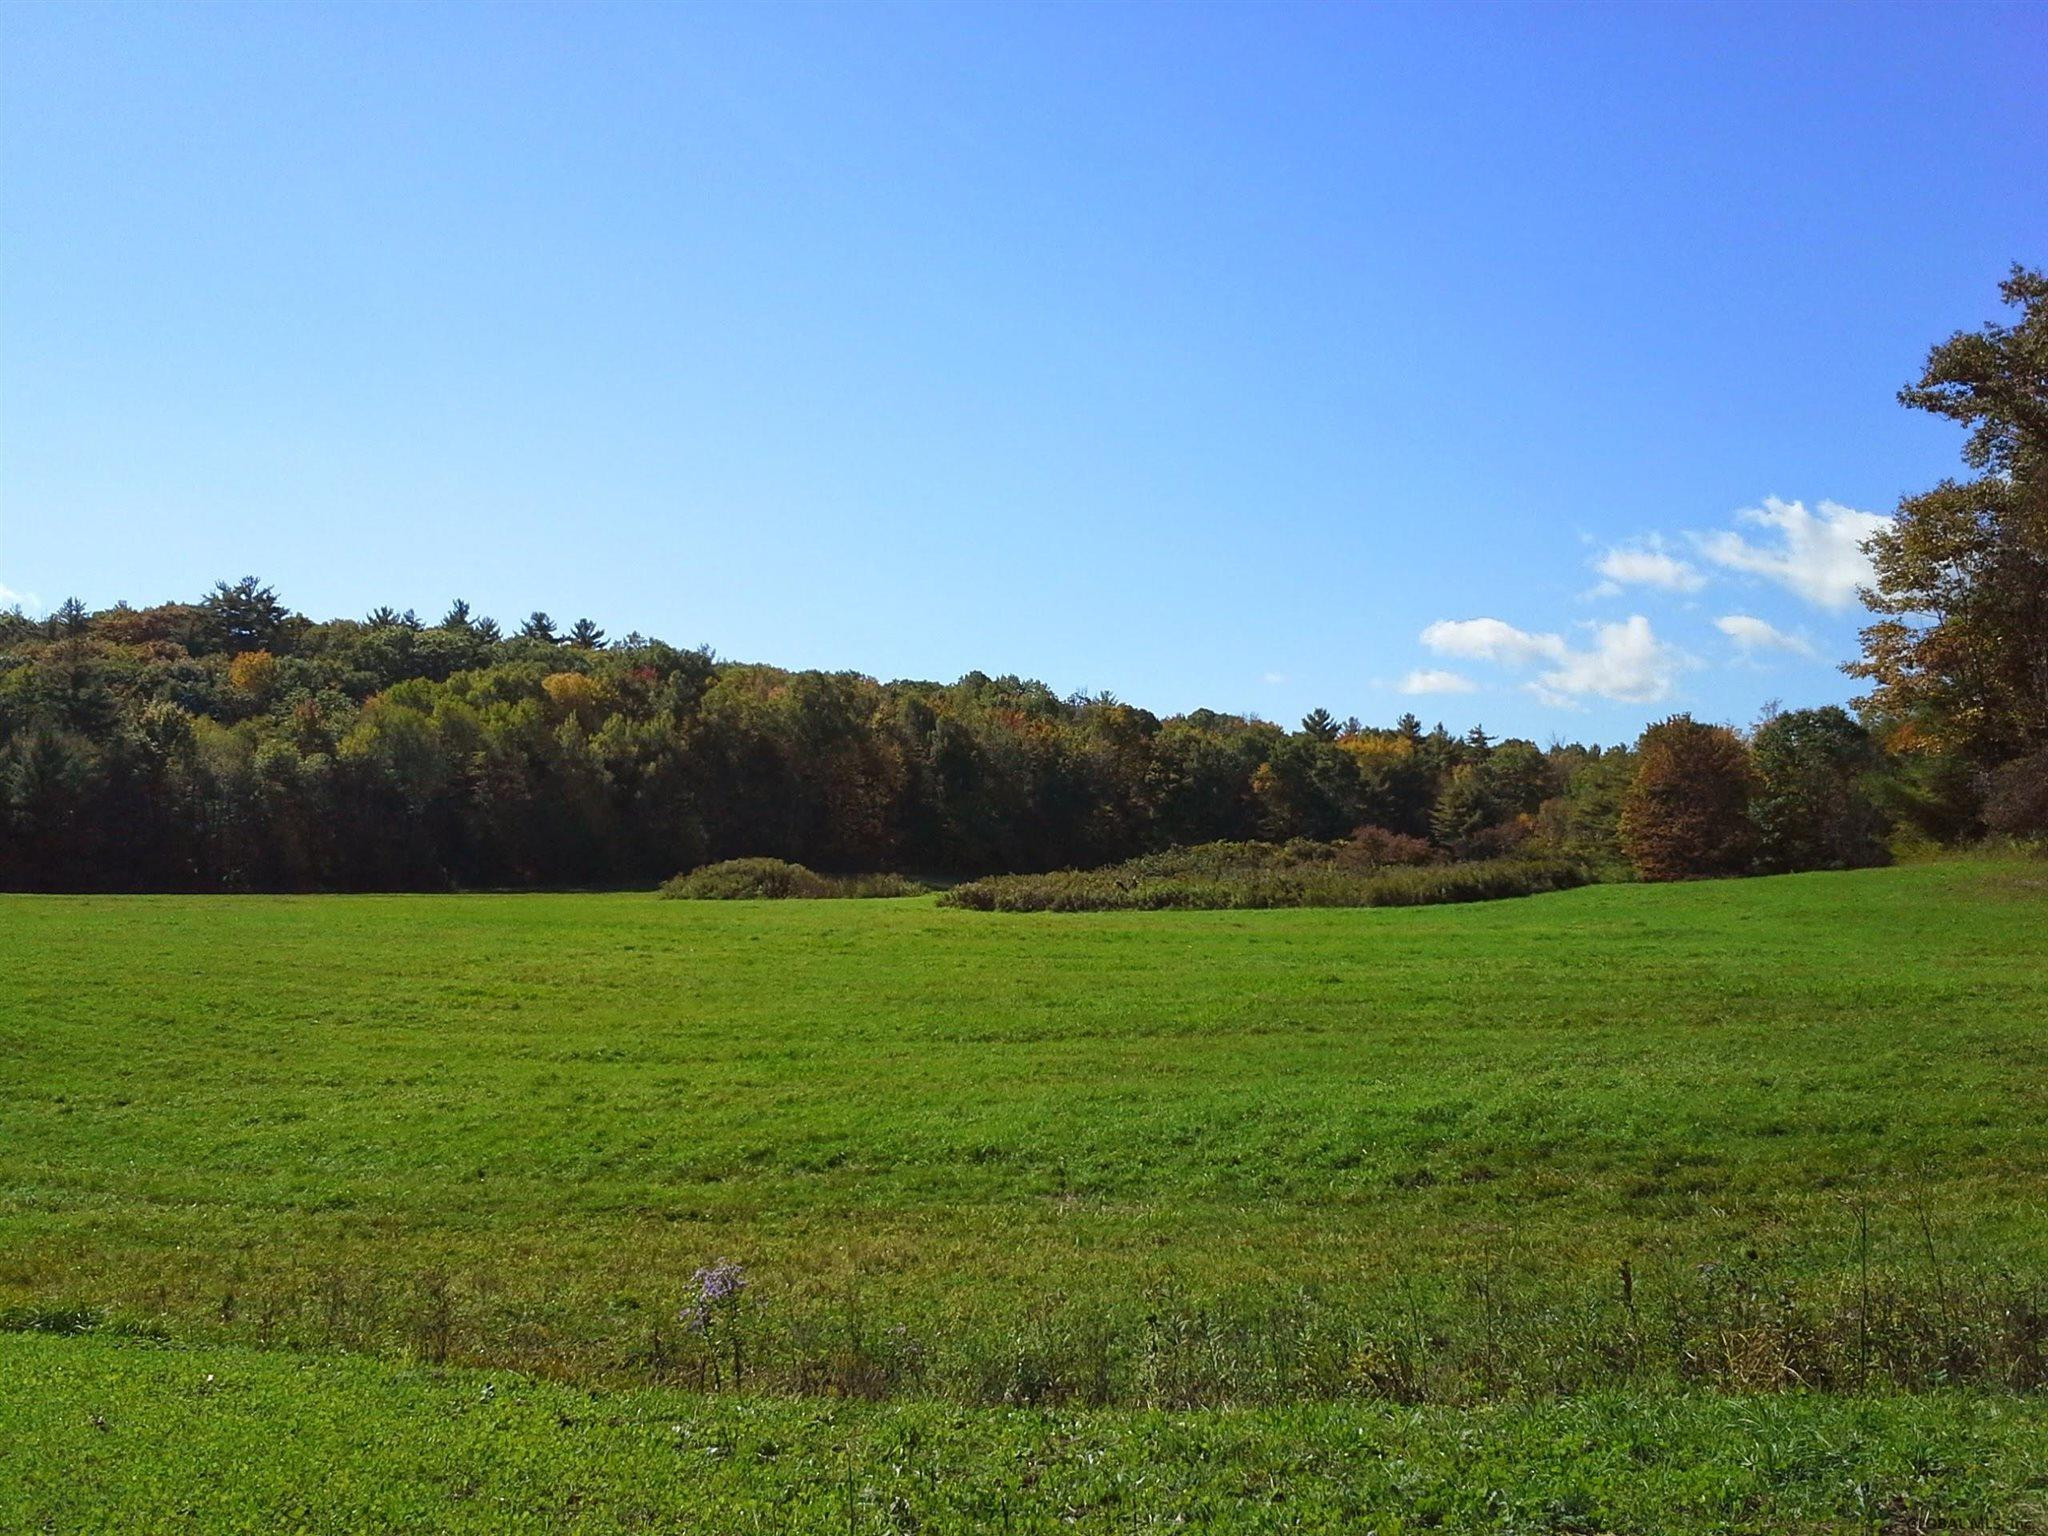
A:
[571,1101]
[509,1126]
[133,1439]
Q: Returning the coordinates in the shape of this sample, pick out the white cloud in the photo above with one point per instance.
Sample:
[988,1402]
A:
[1626,662]
[9,598]
[1437,680]
[1272,679]
[1753,634]
[1646,564]
[1819,557]
[1491,640]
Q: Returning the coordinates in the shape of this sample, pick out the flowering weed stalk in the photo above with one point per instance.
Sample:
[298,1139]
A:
[715,1312]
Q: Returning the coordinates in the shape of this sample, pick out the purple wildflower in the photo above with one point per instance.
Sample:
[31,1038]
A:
[717,1286]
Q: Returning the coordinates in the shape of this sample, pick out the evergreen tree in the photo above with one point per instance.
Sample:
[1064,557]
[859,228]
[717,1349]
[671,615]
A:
[244,616]
[1811,808]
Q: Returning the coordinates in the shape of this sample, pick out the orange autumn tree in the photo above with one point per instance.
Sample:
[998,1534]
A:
[1686,813]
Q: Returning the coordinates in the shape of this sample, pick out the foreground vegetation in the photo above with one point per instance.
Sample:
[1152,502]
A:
[103,1438]
[1740,1135]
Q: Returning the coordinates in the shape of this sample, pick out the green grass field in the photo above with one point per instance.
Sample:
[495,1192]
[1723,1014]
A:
[128,1440]
[1492,1189]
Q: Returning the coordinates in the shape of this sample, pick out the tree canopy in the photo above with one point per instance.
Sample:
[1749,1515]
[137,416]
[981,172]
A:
[234,744]
[1958,659]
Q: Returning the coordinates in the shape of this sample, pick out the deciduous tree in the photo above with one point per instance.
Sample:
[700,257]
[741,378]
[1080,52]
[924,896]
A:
[1687,809]
[1959,658]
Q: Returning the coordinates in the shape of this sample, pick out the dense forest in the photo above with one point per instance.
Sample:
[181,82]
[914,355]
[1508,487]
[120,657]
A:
[232,744]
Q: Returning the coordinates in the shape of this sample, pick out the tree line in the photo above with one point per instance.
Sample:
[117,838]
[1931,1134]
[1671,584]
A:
[230,743]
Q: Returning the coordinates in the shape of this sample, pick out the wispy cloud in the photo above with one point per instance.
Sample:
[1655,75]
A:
[1646,563]
[1752,634]
[1437,680]
[28,601]
[1626,662]
[1491,640]
[1817,555]
[1272,679]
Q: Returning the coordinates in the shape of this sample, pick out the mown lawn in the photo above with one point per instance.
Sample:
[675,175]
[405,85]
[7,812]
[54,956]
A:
[1783,1135]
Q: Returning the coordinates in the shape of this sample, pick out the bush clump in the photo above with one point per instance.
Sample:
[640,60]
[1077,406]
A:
[779,880]
[1215,876]
[2017,805]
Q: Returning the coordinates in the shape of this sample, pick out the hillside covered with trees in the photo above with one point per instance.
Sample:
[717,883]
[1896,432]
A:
[232,744]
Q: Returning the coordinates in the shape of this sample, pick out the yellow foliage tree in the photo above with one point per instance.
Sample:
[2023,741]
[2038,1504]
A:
[253,673]
[1370,747]
[573,693]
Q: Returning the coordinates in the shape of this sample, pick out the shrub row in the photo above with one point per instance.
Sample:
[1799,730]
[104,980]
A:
[778,880]
[1239,875]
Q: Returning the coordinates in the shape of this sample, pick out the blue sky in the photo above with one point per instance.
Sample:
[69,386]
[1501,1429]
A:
[1538,360]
